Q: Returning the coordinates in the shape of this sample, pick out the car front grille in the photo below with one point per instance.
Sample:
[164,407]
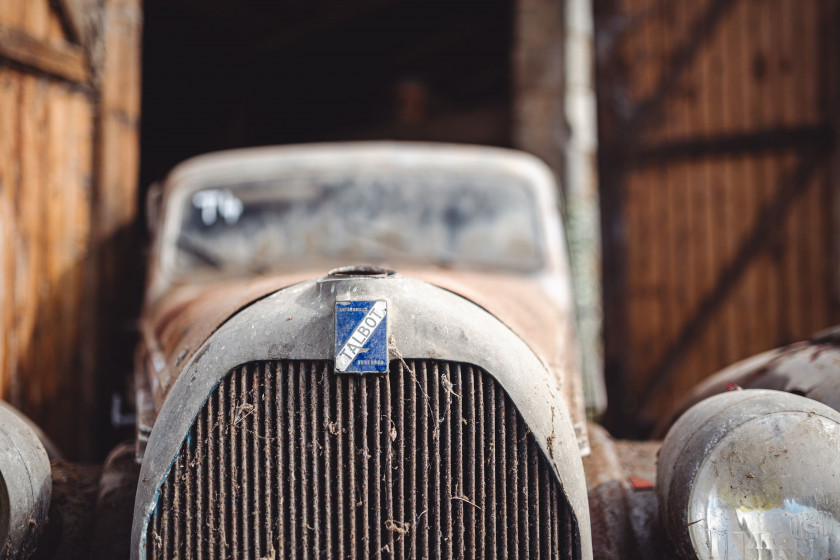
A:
[288,460]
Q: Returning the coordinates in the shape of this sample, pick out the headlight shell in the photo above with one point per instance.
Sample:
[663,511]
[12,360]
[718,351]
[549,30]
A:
[749,471]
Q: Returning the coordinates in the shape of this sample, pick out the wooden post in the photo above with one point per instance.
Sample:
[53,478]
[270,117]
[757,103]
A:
[554,118]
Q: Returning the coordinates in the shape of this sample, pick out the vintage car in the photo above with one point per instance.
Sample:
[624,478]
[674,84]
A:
[358,351]
[368,351]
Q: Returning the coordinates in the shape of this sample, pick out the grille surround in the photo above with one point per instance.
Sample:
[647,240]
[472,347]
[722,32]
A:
[288,420]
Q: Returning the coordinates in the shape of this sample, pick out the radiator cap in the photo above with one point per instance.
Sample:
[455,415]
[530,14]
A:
[356,271]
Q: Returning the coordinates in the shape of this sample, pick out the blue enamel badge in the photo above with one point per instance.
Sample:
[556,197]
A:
[361,336]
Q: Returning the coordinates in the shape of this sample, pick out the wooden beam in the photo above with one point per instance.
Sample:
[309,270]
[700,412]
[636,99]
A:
[772,140]
[64,61]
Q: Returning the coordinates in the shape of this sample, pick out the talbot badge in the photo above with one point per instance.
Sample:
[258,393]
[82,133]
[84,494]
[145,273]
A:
[361,336]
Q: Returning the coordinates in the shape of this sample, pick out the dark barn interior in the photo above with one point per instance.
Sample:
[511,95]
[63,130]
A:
[221,75]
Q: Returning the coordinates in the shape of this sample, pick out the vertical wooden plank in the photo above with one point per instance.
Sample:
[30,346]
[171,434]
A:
[788,111]
[809,30]
[718,116]
[795,69]
[8,225]
[678,307]
[635,233]
[645,299]
[769,66]
[700,111]
[750,98]
[818,250]
[639,195]
[646,48]
[708,204]
[27,255]
[659,46]
[119,272]
[765,75]
[119,118]
[814,249]
[59,395]
[80,305]
[677,177]
[80,134]
[829,99]
[735,63]
[770,288]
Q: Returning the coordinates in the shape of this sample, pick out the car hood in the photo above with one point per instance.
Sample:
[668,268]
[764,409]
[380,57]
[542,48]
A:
[533,307]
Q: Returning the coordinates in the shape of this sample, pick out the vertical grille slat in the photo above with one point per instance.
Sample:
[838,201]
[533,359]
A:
[241,478]
[293,488]
[305,448]
[328,439]
[389,438]
[209,450]
[490,467]
[352,462]
[411,487]
[446,391]
[435,488]
[224,442]
[337,429]
[481,462]
[364,458]
[457,444]
[279,445]
[288,460]
[375,497]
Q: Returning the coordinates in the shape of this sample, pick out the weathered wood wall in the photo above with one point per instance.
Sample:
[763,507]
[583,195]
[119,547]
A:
[69,106]
[717,127]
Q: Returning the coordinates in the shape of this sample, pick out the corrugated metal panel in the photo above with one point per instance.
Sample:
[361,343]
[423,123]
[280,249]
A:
[288,460]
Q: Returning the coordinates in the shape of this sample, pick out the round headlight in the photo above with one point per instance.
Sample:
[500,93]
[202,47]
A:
[753,474]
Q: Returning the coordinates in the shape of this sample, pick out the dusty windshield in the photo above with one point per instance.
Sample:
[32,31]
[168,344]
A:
[430,219]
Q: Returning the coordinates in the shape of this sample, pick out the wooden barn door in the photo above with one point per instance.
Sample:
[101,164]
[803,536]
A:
[69,107]
[718,122]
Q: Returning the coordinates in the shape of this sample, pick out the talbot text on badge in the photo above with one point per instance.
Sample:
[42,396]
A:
[360,336]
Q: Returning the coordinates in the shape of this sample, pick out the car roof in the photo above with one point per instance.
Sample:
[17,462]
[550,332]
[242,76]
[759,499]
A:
[484,160]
